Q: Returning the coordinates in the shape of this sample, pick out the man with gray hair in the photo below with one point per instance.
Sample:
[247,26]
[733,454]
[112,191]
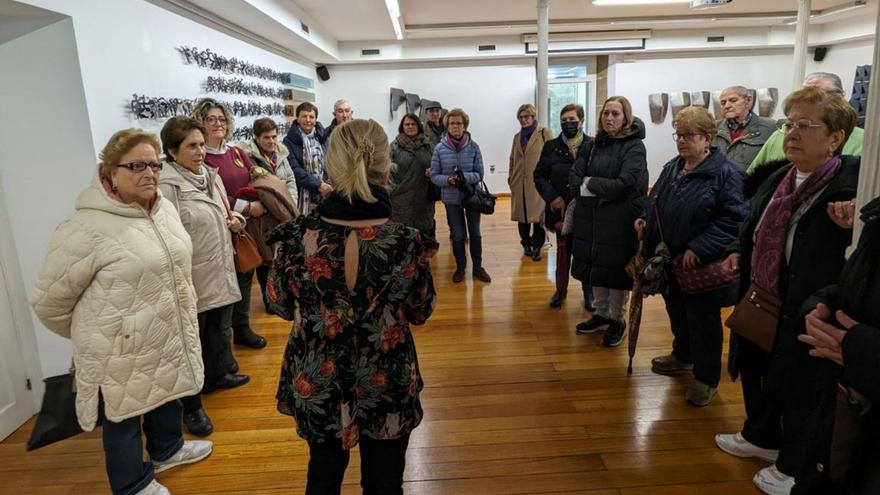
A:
[772,152]
[741,133]
[342,113]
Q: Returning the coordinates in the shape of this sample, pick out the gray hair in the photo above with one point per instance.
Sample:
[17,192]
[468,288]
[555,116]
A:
[741,91]
[338,103]
[833,79]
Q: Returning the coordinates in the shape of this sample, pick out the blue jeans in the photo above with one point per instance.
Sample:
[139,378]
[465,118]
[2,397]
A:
[123,447]
[465,223]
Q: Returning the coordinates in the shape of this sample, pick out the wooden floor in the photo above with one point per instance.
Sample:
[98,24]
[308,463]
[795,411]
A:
[515,402]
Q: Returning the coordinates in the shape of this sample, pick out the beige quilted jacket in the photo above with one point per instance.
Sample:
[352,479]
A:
[116,281]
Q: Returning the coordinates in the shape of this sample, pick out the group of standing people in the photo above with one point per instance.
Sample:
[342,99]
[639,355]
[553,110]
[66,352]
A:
[145,280]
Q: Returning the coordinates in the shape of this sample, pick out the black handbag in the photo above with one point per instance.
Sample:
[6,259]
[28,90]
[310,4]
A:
[475,196]
[434,194]
[57,418]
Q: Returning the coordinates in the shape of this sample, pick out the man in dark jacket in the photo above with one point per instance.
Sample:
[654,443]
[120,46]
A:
[610,185]
[434,129]
[342,113]
[741,133]
[307,142]
[551,180]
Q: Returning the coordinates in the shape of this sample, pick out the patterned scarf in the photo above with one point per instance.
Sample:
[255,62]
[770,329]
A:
[769,252]
[574,144]
[313,160]
[198,179]
[410,143]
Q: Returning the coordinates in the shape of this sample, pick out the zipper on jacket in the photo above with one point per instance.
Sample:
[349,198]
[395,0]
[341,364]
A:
[176,299]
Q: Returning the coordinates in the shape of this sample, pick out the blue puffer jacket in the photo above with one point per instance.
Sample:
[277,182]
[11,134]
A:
[701,211]
[444,162]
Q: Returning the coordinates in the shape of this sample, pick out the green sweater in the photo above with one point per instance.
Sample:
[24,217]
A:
[772,150]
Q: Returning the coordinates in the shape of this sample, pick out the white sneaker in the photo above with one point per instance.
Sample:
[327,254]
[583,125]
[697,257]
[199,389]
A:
[154,488]
[773,482]
[192,451]
[735,444]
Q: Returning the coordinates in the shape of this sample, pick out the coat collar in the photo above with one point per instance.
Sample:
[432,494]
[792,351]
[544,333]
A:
[537,136]
[711,166]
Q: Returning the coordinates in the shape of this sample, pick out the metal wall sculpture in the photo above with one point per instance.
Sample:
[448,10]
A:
[210,60]
[240,87]
[151,107]
[398,96]
[716,105]
[767,100]
[246,133]
[412,102]
[658,103]
[678,102]
[701,99]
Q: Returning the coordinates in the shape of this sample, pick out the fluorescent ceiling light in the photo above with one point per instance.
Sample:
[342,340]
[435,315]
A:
[394,13]
[636,2]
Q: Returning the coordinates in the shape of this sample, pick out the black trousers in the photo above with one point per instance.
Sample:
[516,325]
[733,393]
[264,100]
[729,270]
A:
[241,310]
[697,331]
[212,325]
[763,425]
[262,272]
[531,235]
[382,465]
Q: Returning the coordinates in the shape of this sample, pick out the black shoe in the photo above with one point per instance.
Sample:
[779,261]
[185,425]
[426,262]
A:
[615,334]
[231,381]
[556,300]
[458,276]
[481,275]
[527,251]
[198,423]
[536,254]
[227,360]
[592,325]
[244,336]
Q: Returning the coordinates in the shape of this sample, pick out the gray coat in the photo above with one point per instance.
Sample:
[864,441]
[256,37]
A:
[410,204]
[742,151]
[203,215]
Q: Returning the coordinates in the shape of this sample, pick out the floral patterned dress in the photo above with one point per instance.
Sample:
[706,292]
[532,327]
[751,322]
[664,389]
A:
[350,367]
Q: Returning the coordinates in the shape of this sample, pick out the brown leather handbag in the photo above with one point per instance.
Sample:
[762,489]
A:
[756,317]
[247,255]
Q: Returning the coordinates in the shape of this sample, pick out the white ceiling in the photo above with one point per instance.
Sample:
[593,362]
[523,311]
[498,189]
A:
[362,20]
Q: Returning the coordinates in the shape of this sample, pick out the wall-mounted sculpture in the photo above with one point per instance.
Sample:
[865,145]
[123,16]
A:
[658,103]
[678,102]
[412,102]
[398,96]
[754,94]
[241,87]
[210,60]
[767,98]
[716,105]
[151,107]
[701,99]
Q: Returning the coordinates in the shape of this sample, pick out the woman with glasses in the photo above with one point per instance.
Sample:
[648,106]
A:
[526,204]
[695,208]
[791,245]
[233,166]
[198,193]
[609,185]
[457,152]
[117,282]
[411,154]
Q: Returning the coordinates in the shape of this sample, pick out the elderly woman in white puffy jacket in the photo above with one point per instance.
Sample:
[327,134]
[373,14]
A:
[117,281]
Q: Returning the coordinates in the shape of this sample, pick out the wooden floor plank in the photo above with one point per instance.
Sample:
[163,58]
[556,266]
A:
[515,403]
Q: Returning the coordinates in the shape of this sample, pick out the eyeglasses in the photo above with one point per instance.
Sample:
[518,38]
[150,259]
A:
[802,125]
[686,136]
[456,124]
[216,120]
[138,167]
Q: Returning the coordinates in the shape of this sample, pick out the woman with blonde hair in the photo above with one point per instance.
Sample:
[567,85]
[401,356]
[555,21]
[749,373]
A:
[609,184]
[353,281]
[117,282]
[233,166]
[457,155]
[526,204]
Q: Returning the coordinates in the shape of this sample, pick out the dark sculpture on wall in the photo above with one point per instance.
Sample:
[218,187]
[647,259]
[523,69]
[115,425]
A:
[398,96]
[413,102]
[241,87]
[149,107]
[210,60]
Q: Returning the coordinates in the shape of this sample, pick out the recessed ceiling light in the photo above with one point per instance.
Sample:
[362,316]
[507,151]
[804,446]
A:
[636,2]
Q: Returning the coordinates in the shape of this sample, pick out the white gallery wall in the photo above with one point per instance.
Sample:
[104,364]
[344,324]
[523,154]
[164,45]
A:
[69,93]
[490,94]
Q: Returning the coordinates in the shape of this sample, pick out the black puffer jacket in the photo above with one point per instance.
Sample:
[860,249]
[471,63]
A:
[857,294]
[551,174]
[603,237]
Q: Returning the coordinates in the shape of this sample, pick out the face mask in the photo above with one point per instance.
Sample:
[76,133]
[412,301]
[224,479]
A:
[570,129]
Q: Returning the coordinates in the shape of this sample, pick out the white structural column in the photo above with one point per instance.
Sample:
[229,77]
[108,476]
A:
[869,175]
[543,58]
[801,35]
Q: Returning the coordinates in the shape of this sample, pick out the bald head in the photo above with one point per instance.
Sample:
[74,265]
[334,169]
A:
[824,80]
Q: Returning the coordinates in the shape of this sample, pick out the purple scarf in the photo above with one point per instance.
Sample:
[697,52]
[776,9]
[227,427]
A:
[769,252]
[457,144]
